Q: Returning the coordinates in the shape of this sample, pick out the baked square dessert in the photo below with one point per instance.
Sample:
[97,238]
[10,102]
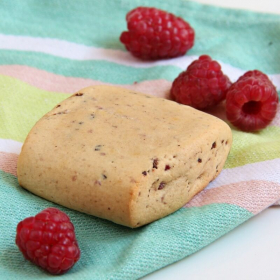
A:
[121,155]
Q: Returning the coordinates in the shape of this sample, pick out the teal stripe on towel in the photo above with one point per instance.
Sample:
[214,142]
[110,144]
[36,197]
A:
[225,34]
[97,70]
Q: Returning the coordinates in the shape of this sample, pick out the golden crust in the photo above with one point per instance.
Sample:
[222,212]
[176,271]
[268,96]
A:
[123,156]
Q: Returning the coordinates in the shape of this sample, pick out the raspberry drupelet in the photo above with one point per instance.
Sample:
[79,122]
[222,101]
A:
[48,240]
[202,85]
[251,102]
[156,34]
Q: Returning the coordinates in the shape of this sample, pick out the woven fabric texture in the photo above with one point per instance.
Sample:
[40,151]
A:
[50,49]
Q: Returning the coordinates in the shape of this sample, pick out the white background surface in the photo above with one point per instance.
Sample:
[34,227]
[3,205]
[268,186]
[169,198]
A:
[249,252]
[252,250]
[267,6]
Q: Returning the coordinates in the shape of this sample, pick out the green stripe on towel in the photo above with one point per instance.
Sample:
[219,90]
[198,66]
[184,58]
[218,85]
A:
[109,251]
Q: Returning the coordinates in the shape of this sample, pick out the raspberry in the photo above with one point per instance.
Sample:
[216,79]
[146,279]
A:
[202,85]
[49,241]
[155,34]
[251,101]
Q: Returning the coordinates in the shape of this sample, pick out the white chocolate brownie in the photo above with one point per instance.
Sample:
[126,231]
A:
[123,156]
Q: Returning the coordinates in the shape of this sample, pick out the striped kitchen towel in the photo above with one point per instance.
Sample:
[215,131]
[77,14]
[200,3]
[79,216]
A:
[50,49]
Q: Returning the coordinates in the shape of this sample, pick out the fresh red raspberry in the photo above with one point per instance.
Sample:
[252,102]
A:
[49,241]
[155,34]
[251,101]
[202,85]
